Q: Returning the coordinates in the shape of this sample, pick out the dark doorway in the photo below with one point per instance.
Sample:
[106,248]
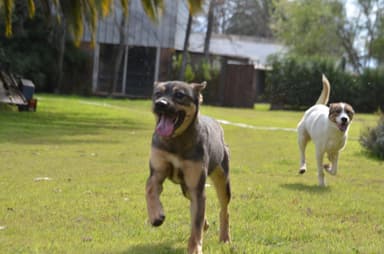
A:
[140,71]
[139,74]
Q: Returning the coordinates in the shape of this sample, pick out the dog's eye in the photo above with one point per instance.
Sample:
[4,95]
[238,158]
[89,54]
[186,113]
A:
[337,110]
[157,94]
[179,95]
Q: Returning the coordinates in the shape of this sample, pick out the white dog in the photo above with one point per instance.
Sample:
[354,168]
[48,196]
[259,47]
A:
[328,128]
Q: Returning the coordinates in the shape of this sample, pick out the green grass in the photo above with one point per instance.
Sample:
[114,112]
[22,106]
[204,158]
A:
[95,152]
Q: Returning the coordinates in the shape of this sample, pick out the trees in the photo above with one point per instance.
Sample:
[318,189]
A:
[369,22]
[309,27]
[250,17]
[332,28]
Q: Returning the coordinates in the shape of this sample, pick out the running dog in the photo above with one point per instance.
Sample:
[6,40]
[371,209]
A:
[328,128]
[186,148]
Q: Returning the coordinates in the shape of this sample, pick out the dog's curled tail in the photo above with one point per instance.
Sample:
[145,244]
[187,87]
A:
[324,96]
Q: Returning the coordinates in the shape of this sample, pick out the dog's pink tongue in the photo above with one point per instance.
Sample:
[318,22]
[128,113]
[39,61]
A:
[165,126]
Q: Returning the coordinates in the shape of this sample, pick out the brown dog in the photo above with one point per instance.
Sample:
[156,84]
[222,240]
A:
[186,148]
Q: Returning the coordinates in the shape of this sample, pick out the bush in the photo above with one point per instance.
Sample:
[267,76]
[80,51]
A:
[370,95]
[199,70]
[373,139]
[295,83]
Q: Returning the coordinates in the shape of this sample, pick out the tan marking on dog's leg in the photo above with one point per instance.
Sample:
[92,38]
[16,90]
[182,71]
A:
[158,173]
[222,186]
[155,209]
[320,170]
[195,178]
[187,195]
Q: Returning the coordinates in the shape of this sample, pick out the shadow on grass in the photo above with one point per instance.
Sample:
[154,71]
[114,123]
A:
[158,248]
[49,127]
[306,188]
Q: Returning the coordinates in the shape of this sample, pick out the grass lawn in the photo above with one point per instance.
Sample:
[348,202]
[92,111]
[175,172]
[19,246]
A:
[94,153]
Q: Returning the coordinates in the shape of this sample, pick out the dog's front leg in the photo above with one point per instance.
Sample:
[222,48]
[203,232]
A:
[320,169]
[334,158]
[154,188]
[195,178]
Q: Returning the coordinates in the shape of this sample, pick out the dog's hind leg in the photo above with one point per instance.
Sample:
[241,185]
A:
[303,139]
[220,179]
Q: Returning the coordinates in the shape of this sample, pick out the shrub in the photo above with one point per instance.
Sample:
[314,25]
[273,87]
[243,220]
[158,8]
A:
[370,95]
[373,139]
[295,83]
[199,70]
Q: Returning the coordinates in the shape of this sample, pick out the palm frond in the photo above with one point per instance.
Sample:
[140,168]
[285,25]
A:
[195,6]
[125,5]
[8,9]
[31,8]
[106,7]
[153,8]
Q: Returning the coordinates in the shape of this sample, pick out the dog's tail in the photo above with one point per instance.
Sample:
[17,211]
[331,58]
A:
[324,96]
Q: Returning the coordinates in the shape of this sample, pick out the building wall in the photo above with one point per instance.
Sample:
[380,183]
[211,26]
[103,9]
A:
[141,31]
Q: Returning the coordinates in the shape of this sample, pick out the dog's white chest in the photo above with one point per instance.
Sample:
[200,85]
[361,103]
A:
[335,143]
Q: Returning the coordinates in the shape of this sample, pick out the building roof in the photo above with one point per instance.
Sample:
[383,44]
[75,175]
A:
[257,50]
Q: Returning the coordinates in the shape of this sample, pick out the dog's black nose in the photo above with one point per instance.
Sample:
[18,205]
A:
[344,119]
[161,104]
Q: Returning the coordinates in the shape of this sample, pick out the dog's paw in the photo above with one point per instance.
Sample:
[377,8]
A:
[206,225]
[225,238]
[302,171]
[158,221]
[328,168]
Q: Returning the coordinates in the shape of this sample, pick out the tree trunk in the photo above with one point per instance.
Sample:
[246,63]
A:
[208,34]
[60,64]
[119,55]
[185,48]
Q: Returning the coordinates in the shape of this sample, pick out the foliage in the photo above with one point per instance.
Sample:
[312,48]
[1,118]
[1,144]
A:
[309,27]
[199,71]
[250,17]
[95,153]
[295,82]
[373,139]
[189,74]
[370,90]
[29,53]
[369,22]
[33,54]
[82,13]
[323,28]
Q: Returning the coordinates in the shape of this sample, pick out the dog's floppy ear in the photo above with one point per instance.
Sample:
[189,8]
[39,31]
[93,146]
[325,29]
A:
[198,87]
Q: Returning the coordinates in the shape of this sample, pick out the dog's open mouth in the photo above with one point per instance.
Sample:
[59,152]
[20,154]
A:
[342,126]
[167,124]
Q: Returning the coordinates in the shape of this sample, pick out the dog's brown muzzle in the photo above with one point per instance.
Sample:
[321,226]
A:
[169,119]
